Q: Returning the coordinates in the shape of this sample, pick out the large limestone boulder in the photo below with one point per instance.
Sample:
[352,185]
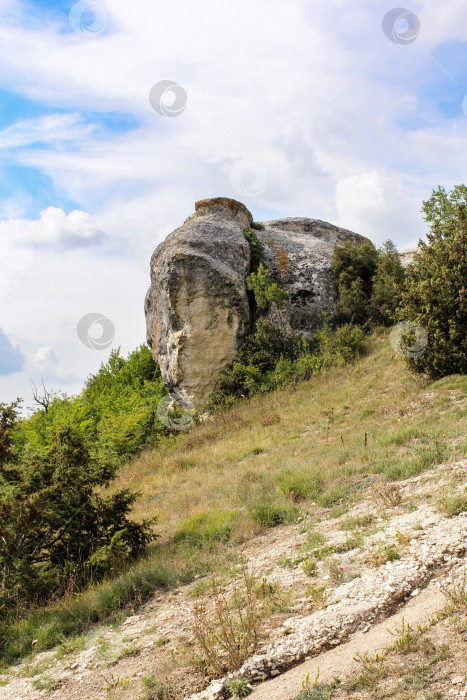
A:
[197,309]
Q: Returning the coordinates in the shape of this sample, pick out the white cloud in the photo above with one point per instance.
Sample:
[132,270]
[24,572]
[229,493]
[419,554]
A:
[45,360]
[378,206]
[21,238]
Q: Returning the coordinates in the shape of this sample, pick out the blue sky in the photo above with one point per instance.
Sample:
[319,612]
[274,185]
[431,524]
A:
[299,108]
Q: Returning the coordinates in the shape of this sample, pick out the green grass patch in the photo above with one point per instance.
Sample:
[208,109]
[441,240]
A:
[300,484]
[453,502]
[208,527]
[272,512]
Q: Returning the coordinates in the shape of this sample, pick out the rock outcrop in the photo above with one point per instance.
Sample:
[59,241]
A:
[197,309]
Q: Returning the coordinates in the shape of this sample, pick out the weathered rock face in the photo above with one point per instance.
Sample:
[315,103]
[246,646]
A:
[197,311]
[197,306]
[298,253]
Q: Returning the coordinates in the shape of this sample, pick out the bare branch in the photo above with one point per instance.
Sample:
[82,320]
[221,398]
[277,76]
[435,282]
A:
[43,400]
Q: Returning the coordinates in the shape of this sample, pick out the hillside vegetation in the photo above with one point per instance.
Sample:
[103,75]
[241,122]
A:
[306,452]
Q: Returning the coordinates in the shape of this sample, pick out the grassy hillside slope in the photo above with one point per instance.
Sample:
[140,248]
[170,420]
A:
[311,446]
[298,455]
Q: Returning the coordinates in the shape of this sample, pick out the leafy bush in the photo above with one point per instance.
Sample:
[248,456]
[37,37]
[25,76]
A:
[266,290]
[263,364]
[369,281]
[354,267]
[272,357]
[116,412]
[239,687]
[56,527]
[435,293]
[337,348]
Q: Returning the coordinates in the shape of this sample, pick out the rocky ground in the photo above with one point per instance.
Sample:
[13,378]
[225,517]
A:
[320,585]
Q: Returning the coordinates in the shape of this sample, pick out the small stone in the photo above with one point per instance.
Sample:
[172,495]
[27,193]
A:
[457,680]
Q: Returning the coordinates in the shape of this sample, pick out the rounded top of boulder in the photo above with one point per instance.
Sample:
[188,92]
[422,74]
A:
[224,208]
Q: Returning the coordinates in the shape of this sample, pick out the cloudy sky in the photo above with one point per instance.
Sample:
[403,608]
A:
[344,111]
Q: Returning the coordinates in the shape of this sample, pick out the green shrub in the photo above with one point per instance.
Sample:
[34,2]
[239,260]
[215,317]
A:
[435,293]
[116,413]
[272,357]
[257,225]
[369,281]
[239,687]
[353,268]
[56,527]
[391,552]
[264,363]
[265,288]
[339,347]
[309,566]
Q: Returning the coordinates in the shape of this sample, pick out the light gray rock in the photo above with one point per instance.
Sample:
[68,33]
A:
[407,256]
[298,253]
[197,310]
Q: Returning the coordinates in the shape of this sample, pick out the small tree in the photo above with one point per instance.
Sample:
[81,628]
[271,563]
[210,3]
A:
[56,525]
[387,284]
[435,293]
[441,210]
[354,267]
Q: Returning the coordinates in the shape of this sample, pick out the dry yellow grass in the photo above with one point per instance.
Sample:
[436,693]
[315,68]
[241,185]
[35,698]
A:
[409,424]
